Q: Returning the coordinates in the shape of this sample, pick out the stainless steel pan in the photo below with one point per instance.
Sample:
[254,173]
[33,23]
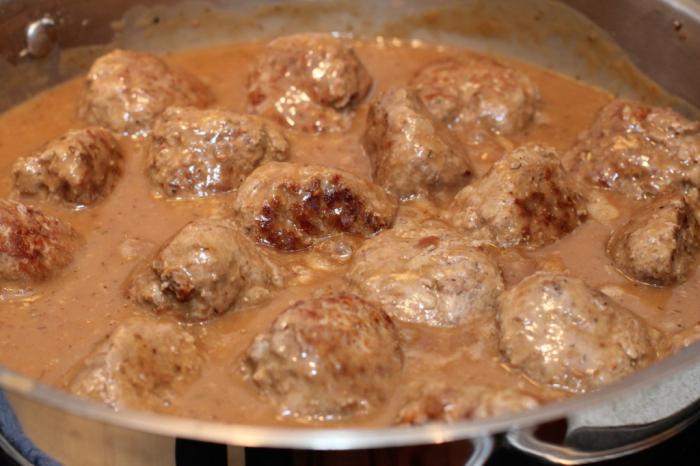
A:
[43,42]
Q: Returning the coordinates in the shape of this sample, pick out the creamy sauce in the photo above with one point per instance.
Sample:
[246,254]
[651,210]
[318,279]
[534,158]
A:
[47,334]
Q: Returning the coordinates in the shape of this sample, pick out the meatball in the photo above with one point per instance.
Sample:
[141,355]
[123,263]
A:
[411,153]
[197,152]
[526,199]
[428,277]
[33,245]
[79,167]
[477,94]
[681,340]
[326,358]
[125,91]
[659,244]
[310,82]
[206,269]
[438,402]
[290,206]
[562,333]
[637,150]
[142,364]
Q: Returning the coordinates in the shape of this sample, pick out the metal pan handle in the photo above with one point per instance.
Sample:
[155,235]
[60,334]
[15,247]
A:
[526,441]
[622,426]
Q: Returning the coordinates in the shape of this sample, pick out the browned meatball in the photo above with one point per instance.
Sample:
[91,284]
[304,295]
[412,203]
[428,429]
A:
[142,364]
[310,82]
[33,245]
[412,153]
[637,150]
[326,358]
[477,93]
[526,199]
[439,402]
[79,167]
[562,333]
[125,91]
[206,269]
[429,277]
[659,244]
[290,206]
[197,152]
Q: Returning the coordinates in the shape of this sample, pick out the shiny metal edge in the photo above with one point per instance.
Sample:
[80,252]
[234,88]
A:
[12,452]
[483,448]
[324,438]
[526,441]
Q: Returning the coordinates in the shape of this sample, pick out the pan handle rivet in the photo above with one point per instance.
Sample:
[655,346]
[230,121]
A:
[41,37]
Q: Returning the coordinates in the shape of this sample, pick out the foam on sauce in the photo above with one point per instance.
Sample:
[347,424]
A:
[47,334]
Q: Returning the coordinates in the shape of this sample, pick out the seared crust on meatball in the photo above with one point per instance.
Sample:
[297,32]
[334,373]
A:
[310,82]
[291,206]
[79,167]
[196,153]
[477,93]
[439,402]
[33,245]
[143,363]
[326,358]
[411,152]
[562,333]
[637,150]
[428,277]
[659,244]
[125,91]
[526,199]
[206,269]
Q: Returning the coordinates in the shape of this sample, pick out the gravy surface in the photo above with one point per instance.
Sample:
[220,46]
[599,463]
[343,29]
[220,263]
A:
[48,332]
